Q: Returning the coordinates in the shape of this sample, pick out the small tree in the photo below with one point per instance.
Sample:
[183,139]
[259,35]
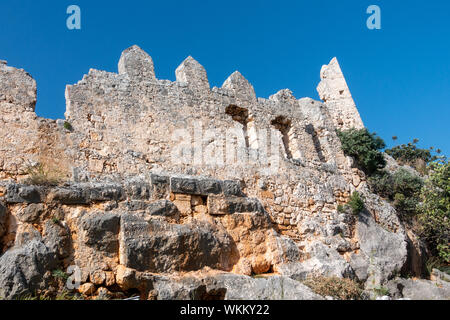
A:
[365,148]
[435,209]
[356,203]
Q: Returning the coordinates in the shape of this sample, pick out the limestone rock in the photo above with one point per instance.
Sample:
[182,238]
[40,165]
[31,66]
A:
[158,246]
[26,233]
[240,86]
[419,289]
[193,74]
[101,231]
[137,64]
[22,269]
[385,251]
[17,87]
[31,213]
[231,287]
[164,208]
[57,238]
[324,261]
[333,90]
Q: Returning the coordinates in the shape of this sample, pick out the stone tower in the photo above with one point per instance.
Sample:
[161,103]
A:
[333,90]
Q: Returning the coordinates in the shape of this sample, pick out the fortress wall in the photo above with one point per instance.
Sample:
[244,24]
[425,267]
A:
[283,150]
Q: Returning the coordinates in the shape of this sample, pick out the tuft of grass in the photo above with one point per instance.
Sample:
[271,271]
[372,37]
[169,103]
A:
[338,288]
[381,291]
[356,203]
[59,274]
[55,220]
[42,176]
[68,126]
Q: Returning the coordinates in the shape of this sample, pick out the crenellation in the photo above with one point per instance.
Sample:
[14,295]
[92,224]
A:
[137,64]
[333,90]
[130,124]
[193,74]
[240,87]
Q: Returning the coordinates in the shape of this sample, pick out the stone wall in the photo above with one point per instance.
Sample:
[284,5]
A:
[277,158]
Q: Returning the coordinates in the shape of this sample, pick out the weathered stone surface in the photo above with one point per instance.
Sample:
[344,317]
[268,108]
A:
[193,74]
[232,188]
[219,205]
[17,87]
[323,261]
[23,194]
[184,185]
[68,196]
[31,213]
[57,239]
[157,246]
[137,64]
[385,250]
[22,269]
[419,289]
[228,286]
[101,231]
[105,193]
[164,208]
[240,87]
[26,233]
[333,90]
[138,190]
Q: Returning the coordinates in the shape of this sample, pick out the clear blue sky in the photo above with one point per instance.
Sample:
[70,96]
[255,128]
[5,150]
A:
[399,76]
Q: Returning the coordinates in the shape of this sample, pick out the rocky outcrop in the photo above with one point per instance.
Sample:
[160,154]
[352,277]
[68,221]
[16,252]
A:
[25,270]
[419,289]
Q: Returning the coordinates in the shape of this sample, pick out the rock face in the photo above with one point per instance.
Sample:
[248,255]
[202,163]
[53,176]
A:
[147,180]
[22,270]
[419,289]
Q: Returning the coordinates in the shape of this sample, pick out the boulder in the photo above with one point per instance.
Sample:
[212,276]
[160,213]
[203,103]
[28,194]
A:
[157,246]
[31,213]
[419,289]
[323,261]
[24,194]
[164,208]
[384,251]
[229,286]
[101,232]
[22,269]
[57,238]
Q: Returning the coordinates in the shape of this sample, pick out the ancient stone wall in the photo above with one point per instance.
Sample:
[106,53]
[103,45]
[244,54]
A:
[258,174]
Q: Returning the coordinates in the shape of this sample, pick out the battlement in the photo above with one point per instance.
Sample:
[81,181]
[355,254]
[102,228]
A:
[130,123]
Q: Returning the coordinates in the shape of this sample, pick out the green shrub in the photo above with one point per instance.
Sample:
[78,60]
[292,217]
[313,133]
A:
[356,203]
[402,188]
[381,183]
[59,274]
[340,208]
[407,183]
[381,291]
[409,154]
[68,126]
[435,209]
[365,148]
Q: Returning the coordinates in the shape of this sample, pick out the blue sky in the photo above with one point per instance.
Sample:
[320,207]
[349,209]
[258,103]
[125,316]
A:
[399,76]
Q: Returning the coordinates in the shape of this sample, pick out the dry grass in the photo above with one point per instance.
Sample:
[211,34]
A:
[41,174]
[341,289]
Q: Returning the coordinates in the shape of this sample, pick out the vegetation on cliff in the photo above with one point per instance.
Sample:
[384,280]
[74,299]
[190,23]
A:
[421,196]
